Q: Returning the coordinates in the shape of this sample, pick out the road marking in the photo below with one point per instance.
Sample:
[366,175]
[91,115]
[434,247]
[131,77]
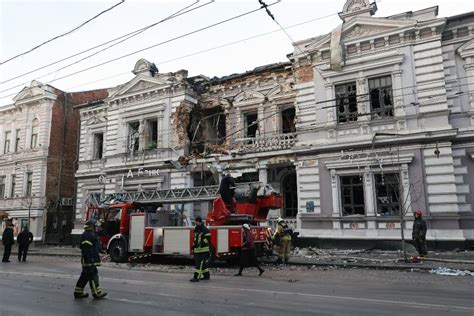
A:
[233,289]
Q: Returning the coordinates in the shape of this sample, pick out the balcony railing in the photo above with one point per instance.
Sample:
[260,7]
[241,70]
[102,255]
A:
[269,143]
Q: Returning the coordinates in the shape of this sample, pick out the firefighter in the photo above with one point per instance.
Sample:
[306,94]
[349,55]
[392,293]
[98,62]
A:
[283,234]
[419,233]
[227,191]
[201,250]
[90,259]
[24,239]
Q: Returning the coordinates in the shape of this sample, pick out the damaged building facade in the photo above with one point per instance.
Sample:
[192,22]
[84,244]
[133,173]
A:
[362,124]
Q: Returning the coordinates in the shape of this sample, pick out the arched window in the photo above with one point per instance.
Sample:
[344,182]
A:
[34,133]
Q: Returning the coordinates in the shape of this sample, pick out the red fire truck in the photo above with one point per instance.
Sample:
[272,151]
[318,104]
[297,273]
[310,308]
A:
[131,228]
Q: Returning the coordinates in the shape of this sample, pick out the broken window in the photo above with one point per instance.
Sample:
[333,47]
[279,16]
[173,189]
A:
[352,195]
[251,125]
[34,133]
[133,136]
[288,121]
[98,146]
[6,147]
[214,127]
[381,101]
[151,134]
[346,102]
[387,188]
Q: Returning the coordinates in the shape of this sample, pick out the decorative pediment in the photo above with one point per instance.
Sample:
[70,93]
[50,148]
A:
[466,49]
[361,27]
[36,89]
[96,119]
[249,96]
[140,83]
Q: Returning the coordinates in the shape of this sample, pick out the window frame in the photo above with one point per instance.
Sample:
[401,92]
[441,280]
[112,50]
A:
[12,185]
[388,186]
[383,110]
[248,125]
[151,139]
[351,186]
[17,139]
[133,136]
[291,126]
[29,184]
[7,142]
[3,186]
[96,154]
[34,133]
[349,99]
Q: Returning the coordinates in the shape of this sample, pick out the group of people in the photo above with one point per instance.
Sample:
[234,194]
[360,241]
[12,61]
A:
[203,249]
[24,239]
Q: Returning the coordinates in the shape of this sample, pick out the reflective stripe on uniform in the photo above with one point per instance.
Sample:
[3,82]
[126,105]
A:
[86,242]
[201,249]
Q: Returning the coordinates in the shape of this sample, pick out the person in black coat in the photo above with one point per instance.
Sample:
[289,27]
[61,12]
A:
[24,239]
[419,233]
[8,241]
[227,191]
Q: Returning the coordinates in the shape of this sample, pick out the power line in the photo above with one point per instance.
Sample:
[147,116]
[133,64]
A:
[164,42]
[62,35]
[211,49]
[123,39]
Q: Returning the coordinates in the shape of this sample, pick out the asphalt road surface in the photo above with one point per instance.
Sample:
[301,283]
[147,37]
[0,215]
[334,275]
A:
[44,286]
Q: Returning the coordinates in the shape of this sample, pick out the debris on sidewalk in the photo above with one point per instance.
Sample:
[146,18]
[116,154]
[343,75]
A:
[451,272]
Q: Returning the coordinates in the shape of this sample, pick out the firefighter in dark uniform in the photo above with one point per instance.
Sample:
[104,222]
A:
[90,259]
[227,191]
[201,250]
[419,233]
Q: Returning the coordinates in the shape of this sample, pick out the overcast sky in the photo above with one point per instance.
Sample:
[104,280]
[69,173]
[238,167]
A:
[25,24]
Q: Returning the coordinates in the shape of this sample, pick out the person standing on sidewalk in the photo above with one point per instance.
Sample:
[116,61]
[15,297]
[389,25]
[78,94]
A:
[201,251]
[283,234]
[248,256]
[90,259]
[419,233]
[24,239]
[8,241]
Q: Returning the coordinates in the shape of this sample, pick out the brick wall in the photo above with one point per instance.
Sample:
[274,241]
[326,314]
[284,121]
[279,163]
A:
[63,142]
[304,73]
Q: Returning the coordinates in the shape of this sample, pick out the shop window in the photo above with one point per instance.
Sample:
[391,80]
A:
[151,134]
[387,188]
[98,146]
[17,140]
[133,136]
[381,101]
[2,187]
[352,195]
[251,125]
[346,102]
[29,184]
[34,133]
[6,145]
[288,121]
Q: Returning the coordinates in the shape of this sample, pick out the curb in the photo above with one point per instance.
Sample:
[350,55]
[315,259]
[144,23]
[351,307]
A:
[360,265]
[46,254]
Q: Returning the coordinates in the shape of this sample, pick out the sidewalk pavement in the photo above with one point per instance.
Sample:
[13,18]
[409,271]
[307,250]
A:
[372,259]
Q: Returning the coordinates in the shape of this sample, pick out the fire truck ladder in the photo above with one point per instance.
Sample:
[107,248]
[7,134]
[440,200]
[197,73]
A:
[184,195]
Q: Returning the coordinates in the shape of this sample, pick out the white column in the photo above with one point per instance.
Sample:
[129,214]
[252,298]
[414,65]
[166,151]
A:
[369,193]
[363,105]
[263,172]
[405,203]
[161,132]
[336,203]
[331,111]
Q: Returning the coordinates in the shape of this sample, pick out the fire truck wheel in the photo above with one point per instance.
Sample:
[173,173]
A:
[118,251]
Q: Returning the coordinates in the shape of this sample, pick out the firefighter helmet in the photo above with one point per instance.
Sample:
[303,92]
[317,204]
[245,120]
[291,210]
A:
[246,226]
[418,213]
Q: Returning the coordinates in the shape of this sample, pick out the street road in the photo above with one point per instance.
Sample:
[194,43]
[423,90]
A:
[44,286]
